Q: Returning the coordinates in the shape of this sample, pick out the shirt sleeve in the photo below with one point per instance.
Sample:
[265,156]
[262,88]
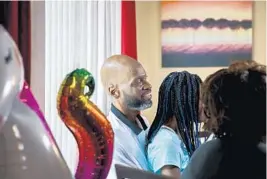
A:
[164,152]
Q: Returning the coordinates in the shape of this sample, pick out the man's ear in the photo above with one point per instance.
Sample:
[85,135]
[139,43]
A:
[114,91]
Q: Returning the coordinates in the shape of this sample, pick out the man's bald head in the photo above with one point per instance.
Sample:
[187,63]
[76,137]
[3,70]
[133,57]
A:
[118,69]
[125,80]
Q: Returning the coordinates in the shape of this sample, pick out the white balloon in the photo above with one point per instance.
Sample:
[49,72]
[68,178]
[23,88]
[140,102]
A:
[11,74]
[26,151]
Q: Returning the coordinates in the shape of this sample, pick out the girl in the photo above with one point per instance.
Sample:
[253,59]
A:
[173,136]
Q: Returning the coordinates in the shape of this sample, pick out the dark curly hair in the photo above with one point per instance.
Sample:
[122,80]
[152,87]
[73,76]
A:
[245,65]
[235,102]
[205,99]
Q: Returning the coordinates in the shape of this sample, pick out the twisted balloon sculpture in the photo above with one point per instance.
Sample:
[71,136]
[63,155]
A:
[88,124]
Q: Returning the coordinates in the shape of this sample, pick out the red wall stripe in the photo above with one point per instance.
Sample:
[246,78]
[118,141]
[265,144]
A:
[13,23]
[128,29]
[19,27]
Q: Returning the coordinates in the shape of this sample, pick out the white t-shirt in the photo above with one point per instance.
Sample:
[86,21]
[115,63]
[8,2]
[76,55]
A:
[211,137]
[129,143]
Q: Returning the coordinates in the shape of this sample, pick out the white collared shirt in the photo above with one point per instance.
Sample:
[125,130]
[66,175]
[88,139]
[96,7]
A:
[129,144]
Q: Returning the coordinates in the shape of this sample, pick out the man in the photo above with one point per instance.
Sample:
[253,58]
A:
[125,80]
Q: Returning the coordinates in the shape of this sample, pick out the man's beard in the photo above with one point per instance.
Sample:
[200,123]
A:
[137,104]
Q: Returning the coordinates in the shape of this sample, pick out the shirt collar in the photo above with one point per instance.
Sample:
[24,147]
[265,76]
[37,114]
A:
[126,121]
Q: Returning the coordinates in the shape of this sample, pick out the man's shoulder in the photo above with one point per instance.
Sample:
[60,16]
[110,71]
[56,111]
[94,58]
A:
[116,126]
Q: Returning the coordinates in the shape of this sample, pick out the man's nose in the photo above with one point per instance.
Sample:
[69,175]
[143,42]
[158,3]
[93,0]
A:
[147,86]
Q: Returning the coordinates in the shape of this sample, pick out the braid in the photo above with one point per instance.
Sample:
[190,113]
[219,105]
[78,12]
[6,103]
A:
[179,112]
[162,115]
[181,118]
[189,107]
[179,97]
[188,110]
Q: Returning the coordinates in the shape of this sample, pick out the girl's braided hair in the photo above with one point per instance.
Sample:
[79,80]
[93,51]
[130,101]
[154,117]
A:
[179,98]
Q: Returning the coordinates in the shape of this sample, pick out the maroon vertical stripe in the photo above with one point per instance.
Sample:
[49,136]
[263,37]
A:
[128,29]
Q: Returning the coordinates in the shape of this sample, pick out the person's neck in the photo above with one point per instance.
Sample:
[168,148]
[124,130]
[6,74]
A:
[129,113]
[172,123]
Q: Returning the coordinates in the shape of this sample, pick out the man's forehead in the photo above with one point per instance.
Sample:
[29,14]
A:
[137,71]
[131,73]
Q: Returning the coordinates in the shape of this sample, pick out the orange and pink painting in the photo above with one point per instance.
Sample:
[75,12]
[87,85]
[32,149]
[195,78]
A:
[205,33]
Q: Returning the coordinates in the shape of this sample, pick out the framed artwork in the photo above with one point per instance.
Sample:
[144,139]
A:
[205,33]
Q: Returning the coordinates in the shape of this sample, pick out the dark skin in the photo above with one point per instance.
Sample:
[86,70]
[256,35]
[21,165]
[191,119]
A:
[125,79]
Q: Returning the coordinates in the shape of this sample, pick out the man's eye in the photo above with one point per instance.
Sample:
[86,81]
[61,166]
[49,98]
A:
[139,80]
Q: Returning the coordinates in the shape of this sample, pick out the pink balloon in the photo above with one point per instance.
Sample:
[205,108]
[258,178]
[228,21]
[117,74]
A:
[27,97]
